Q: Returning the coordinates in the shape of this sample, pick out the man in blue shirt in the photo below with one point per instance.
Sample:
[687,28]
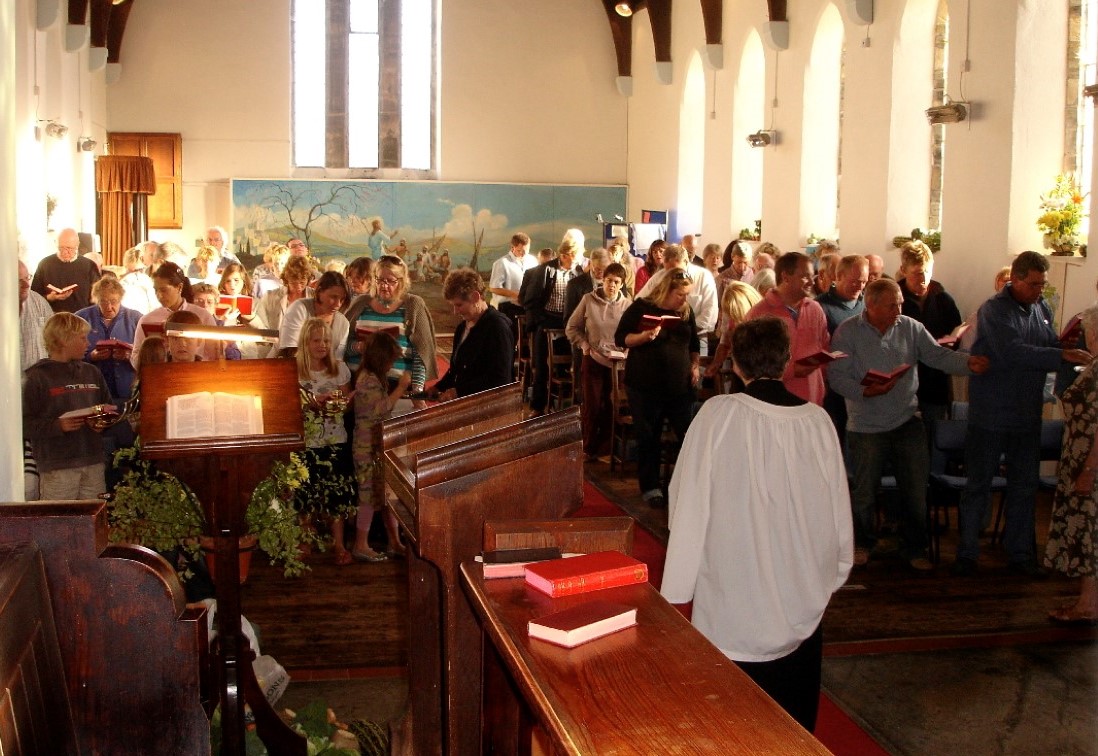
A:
[882,425]
[1014,329]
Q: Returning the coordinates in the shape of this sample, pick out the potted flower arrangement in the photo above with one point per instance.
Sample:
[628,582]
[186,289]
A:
[154,509]
[1061,214]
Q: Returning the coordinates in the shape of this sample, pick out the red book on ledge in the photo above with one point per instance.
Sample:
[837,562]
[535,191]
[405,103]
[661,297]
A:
[583,623]
[589,572]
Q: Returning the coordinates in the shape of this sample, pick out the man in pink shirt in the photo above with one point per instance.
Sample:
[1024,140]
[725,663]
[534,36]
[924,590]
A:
[791,301]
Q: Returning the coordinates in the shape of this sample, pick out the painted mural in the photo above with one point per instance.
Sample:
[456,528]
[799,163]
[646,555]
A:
[419,220]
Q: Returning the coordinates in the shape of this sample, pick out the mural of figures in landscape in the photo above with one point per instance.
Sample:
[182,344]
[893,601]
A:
[471,224]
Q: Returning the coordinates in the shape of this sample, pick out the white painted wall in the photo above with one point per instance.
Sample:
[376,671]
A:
[996,164]
[520,101]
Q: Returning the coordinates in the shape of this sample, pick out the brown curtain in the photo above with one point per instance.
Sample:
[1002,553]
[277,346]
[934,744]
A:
[123,184]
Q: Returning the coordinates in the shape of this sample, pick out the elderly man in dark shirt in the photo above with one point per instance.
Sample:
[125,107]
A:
[66,279]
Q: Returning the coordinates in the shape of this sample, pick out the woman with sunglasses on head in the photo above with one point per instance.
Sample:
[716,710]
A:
[296,275]
[661,371]
[393,309]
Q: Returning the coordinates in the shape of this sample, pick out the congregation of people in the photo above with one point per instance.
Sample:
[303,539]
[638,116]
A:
[779,387]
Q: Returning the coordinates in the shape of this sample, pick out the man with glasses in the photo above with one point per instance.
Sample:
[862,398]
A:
[65,279]
[1014,329]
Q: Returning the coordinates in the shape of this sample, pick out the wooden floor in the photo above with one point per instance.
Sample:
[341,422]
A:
[352,620]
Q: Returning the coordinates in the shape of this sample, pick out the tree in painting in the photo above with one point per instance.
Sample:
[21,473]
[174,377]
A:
[338,203]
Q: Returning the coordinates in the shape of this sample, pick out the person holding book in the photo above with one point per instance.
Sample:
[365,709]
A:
[174,292]
[395,309]
[60,393]
[484,344]
[331,293]
[927,301]
[791,301]
[1004,413]
[65,279]
[236,283]
[591,330]
[206,297]
[760,523]
[703,290]
[110,340]
[882,423]
[1073,530]
[325,391]
[661,372]
[375,398]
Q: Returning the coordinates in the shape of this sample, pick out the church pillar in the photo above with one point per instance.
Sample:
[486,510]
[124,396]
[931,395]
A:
[11,439]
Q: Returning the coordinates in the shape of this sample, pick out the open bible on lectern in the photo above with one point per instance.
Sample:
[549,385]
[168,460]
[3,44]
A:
[215,413]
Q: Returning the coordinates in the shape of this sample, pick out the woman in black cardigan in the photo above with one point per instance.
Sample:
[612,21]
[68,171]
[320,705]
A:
[660,372]
[484,345]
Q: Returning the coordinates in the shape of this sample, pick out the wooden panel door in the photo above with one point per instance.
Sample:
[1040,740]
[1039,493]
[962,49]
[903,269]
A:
[166,152]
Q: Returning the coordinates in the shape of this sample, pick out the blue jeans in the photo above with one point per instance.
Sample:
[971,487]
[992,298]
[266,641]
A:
[905,447]
[985,450]
[649,409]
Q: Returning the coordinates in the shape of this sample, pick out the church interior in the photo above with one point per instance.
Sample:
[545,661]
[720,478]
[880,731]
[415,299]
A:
[805,119]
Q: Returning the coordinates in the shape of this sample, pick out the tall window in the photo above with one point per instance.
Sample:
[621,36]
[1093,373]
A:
[1082,57]
[937,131]
[364,85]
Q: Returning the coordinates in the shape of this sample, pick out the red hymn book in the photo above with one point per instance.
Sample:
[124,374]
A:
[582,623]
[582,574]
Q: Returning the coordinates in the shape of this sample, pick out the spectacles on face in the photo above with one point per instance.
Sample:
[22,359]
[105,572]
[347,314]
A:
[391,283]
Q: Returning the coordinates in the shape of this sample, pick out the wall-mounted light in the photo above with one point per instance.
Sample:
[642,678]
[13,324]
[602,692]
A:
[85,144]
[763,138]
[951,112]
[624,8]
[56,130]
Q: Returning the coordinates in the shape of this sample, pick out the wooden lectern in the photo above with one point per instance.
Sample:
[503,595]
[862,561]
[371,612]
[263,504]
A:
[453,466]
[223,471]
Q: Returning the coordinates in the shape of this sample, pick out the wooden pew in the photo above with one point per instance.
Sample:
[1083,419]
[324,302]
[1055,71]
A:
[447,484]
[130,648]
[659,687]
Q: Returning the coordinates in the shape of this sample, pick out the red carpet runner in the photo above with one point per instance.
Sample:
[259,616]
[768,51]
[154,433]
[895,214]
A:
[838,732]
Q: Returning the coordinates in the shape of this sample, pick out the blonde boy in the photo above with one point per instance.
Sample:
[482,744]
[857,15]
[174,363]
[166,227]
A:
[69,453]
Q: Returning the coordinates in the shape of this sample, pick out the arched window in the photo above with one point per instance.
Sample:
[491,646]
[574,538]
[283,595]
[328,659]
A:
[363,86]
[691,179]
[748,116]
[938,131]
[821,125]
